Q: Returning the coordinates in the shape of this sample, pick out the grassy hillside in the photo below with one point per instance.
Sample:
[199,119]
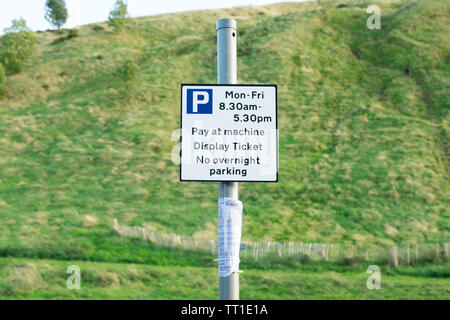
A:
[363,118]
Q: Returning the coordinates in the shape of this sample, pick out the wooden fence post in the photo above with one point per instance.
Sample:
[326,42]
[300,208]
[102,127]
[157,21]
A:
[324,252]
[257,251]
[213,247]
[407,256]
[394,257]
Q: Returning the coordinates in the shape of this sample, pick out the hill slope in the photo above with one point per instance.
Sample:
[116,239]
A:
[364,128]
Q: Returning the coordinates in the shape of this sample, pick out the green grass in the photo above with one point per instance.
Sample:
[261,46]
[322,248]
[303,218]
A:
[364,156]
[46,279]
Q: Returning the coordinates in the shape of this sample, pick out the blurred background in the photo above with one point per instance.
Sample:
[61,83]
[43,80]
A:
[88,120]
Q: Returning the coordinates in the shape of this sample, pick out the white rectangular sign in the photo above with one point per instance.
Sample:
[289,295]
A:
[229,133]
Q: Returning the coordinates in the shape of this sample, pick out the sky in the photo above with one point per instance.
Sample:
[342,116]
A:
[89,11]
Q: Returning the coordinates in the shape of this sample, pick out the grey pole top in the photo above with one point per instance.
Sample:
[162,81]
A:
[226,23]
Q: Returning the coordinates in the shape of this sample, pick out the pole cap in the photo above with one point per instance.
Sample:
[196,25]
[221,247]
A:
[226,23]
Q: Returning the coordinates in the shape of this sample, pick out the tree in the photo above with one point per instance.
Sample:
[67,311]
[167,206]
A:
[17,46]
[2,74]
[119,16]
[2,78]
[56,12]
[17,25]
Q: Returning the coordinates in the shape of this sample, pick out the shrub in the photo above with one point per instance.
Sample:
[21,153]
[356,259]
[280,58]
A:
[16,49]
[98,27]
[73,33]
[327,4]
[129,71]
[350,261]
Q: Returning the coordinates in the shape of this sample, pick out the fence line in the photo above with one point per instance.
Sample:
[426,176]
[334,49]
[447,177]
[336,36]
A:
[254,251]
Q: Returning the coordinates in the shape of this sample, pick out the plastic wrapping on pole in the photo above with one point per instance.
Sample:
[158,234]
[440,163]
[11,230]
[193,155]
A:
[229,242]
[227,74]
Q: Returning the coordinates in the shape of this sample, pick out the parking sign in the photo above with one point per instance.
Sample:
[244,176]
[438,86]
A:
[229,133]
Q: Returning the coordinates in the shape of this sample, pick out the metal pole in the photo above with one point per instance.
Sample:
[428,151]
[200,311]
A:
[227,74]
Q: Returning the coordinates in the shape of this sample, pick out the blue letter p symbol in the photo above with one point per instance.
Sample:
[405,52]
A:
[199,101]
